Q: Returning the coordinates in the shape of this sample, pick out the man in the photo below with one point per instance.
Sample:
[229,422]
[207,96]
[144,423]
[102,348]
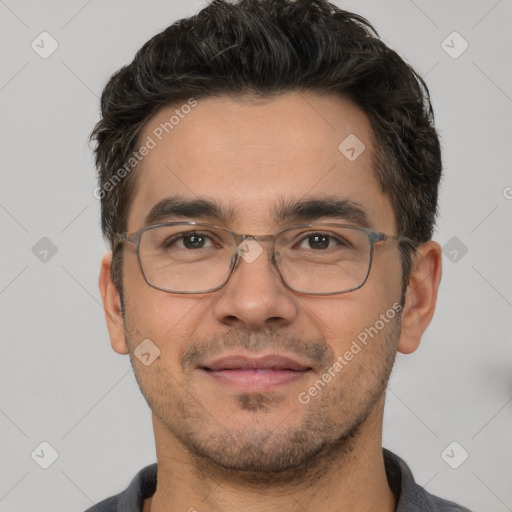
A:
[268,172]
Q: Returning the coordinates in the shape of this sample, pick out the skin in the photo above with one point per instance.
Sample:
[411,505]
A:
[219,449]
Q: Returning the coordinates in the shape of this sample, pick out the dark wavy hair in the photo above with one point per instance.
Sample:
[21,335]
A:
[265,48]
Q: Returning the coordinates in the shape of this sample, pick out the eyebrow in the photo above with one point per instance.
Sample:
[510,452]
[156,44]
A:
[330,208]
[309,210]
[180,207]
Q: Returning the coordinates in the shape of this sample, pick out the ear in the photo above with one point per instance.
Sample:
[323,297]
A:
[421,296]
[112,306]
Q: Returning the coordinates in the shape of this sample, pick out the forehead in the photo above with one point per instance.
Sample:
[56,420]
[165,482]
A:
[250,155]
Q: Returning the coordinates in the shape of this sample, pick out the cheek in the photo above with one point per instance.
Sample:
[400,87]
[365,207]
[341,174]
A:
[166,319]
[364,341]
[361,316]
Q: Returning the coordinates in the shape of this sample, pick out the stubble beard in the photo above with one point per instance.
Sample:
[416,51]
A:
[284,453]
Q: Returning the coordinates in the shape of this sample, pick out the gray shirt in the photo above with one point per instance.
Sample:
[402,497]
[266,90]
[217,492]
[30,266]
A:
[411,496]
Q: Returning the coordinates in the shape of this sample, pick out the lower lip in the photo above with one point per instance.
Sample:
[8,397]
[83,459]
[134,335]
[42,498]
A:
[253,380]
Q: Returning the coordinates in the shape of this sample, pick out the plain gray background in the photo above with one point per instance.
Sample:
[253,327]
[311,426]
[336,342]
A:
[60,381]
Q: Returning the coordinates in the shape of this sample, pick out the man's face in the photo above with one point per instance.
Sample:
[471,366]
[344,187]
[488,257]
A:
[250,158]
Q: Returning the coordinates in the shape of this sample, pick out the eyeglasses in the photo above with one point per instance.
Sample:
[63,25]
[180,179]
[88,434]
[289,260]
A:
[314,259]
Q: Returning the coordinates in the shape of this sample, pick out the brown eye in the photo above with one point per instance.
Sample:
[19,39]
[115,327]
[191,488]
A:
[323,241]
[318,241]
[191,240]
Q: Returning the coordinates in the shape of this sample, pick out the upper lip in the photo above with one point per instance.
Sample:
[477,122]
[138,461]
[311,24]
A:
[244,362]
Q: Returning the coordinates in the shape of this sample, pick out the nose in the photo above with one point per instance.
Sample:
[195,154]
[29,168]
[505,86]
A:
[255,296]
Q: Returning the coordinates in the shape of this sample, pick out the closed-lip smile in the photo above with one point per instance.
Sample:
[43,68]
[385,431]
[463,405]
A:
[255,373]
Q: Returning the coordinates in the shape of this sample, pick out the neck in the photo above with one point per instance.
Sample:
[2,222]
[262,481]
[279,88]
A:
[341,478]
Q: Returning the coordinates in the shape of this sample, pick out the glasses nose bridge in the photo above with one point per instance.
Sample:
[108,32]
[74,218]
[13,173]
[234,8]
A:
[268,240]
